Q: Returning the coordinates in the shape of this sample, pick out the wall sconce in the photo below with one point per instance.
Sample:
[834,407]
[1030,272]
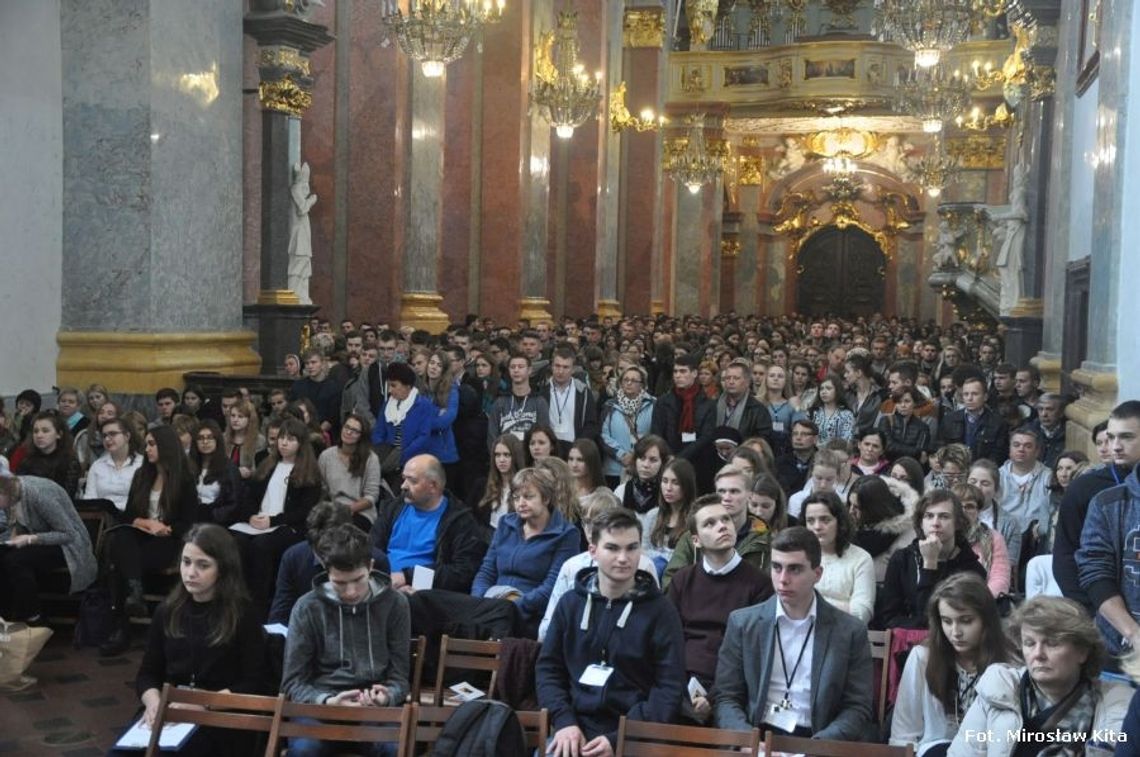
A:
[976,120]
[621,119]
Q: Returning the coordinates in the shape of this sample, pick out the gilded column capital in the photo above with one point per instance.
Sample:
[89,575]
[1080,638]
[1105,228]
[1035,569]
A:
[284,95]
[643,27]
[283,60]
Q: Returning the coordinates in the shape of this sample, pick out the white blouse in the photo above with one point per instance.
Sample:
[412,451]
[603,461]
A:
[273,503]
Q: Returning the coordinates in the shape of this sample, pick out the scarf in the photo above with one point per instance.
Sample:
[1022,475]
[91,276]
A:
[688,421]
[1073,714]
[631,406]
[395,411]
[640,496]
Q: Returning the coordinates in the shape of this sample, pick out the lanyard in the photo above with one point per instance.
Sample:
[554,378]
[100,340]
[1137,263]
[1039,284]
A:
[788,678]
[560,406]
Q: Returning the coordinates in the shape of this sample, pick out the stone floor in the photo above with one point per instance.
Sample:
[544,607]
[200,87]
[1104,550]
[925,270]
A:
[79,706]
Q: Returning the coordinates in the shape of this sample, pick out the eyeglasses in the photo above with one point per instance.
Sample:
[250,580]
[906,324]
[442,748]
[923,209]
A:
[206,438]
[108,434]
[353,430]
[631,380]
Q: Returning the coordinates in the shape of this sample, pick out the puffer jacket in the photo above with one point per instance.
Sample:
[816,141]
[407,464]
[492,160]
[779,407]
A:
[906,437]
[996,712]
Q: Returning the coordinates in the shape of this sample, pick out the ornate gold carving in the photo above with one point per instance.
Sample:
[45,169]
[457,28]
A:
[896,207]
[701,15]
[854,143]
[794,216]
[544,68]
[533,309]
[621,118]
[1042,82]
[286,58]
[978,151]
[608,309]
[643,27]
[750,170]
[693,81]
[421,310]
[730,248]
[284,96]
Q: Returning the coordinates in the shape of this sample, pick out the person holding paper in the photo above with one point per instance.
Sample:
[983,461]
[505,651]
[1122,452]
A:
[349,638]
[795,664]
[283,489]
[706,592]
[203,636]
[614,647]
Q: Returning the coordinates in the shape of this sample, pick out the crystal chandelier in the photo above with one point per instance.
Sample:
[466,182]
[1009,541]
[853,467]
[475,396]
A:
[839,165]
[564,93]
[693,165]
[935,170]
[933,97]
[436,32]
[928,28]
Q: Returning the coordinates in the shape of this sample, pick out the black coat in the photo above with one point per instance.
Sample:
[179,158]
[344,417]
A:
[907,586]
[991,441]
[667,419]
[299,501]
[905,437]
[459,544]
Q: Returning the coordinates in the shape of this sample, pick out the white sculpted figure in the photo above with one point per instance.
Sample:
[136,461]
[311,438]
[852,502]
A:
[300,234]
[946,256]
[791,160]
[1008,224]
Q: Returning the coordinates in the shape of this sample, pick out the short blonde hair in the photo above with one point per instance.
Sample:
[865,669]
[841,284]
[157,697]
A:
[1064,620]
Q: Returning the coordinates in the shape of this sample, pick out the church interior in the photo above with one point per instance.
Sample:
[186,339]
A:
[188,183]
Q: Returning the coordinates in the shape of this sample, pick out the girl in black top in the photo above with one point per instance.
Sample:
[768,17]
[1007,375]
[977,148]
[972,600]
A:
[217,479]
[204,636]
[161,507]
[50,453]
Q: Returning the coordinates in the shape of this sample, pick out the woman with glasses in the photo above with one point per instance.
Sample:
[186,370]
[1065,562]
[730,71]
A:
[217,479]
[625,420]
[350,472]
[111,474]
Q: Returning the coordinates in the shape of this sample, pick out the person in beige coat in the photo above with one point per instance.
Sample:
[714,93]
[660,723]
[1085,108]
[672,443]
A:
[1056,701]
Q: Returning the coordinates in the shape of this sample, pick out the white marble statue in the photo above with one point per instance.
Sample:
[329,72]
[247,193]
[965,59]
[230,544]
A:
[300,234]
[1007,223]
[946,254]
[792,158]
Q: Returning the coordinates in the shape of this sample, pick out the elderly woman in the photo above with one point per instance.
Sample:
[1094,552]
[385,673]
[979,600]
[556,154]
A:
[1056,699]
[46,534]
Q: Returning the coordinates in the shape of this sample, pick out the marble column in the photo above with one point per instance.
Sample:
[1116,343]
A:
[746,269]
[285,37]
[420,212]
[641,194]
[152,193]
[514,180]
[696,231]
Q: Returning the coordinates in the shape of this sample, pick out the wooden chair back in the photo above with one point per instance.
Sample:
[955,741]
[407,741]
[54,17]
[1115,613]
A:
[823,748]
[427,722]
[241,712]
[355,724]
[416,664]
[880,655]
[637,738]
[466,654]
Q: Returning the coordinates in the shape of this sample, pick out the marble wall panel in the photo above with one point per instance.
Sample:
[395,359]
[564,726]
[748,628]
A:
[251,174]
[608,212]
[745,276]
[31,200]
[460,170]
[423,206]
[641,175]
[150,222]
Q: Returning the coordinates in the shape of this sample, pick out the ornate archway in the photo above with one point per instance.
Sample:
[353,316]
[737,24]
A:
[840,271]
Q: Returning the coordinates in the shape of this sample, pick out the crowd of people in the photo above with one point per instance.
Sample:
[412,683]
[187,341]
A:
[696,521]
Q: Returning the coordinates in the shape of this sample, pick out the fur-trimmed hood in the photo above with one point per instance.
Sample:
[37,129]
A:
[904,521]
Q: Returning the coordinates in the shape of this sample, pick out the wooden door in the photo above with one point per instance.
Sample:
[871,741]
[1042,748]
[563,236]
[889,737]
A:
[840,272]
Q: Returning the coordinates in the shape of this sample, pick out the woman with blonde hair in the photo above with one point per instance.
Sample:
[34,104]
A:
[243,437]
[1055,698]
[707,378]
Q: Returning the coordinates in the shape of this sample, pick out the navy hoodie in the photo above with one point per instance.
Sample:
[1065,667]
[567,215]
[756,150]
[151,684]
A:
[642,640]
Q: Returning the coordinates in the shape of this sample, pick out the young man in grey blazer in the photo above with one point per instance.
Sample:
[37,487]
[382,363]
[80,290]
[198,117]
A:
[795,664]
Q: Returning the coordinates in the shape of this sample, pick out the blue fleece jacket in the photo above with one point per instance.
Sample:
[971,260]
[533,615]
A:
[442,443]
[530,565]
[1108,560]
[638,635]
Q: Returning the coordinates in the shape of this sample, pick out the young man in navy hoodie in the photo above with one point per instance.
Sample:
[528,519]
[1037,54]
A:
[614,647]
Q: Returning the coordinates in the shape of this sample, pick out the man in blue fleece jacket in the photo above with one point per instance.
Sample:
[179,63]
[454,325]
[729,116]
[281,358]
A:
[614,647]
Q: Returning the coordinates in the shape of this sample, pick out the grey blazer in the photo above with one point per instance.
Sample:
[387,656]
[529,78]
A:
[841,672]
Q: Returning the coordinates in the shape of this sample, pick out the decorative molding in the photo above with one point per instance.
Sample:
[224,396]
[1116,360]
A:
[730,248]
[534,309]
[278,297]
[421,310]
[284,96]
[285,58]
[978,151]
[643,27]
[142,363]
[750,170]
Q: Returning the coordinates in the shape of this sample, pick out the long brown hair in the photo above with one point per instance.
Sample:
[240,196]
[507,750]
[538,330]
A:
[440,388]
[358,460]
[176,478]
[962,591]
[305,471]
[493,493]
[662,534]
[230,596]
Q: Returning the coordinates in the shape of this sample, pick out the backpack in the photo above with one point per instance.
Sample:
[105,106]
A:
[96,621]
[482,728]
